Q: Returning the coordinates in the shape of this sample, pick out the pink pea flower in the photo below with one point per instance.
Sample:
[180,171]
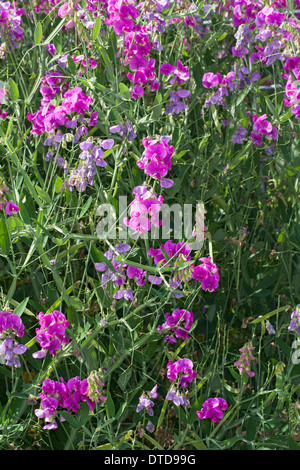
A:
[178,323]
[210,80]
[11,208]
[213,409]
[51,334]
[182,368]
[207,273]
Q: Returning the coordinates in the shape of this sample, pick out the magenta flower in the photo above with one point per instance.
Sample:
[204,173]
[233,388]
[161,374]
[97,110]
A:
[156,159]
[182,369]
[178,323]
[207,273]
[144,210]
[51,334]
[11,208]
[213,409]
[11,324]
[211,80]
[66,396]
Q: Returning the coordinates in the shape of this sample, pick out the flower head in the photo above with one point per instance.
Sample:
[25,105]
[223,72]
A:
[213,409]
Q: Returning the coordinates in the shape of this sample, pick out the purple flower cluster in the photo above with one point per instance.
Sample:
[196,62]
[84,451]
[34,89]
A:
[63,395]
[51,334]
[181,371]
[144,210]
[69,113]
[262,128]
[45,6]
[292,87]
[213,408]
[223,84]
[207,273]
[11,32]
[145,401]
[240,135]
[176,75]
[156,160]
[122,275]
[244,361]
[295,321]
[125,130]
[177,397]
[92,156]
[178,257]
[11,326]
[177,325]
[10,207]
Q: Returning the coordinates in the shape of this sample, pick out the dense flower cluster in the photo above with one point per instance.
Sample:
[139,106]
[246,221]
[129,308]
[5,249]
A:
[156,159]
[11,32]
[52,333]
[11,326]
[176,75]
[64,396]
[177,325]
[262,128]
[144,210]
[122,275]
[213,408]
[292,87]
[243,363]
[181,370]
[207,273]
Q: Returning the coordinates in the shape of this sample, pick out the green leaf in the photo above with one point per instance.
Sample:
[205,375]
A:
[71,419]
[4,238]
[71,65]
[97,27]
[21,307]
[13,89]
[38,33]
[157,107]
[86,207]
[43,194]
[261,318]
[58,184]
[124,90]
[293,444]
[110,406]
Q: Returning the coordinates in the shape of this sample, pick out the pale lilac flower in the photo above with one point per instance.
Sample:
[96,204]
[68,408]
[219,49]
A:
[295,321]
[176,397]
